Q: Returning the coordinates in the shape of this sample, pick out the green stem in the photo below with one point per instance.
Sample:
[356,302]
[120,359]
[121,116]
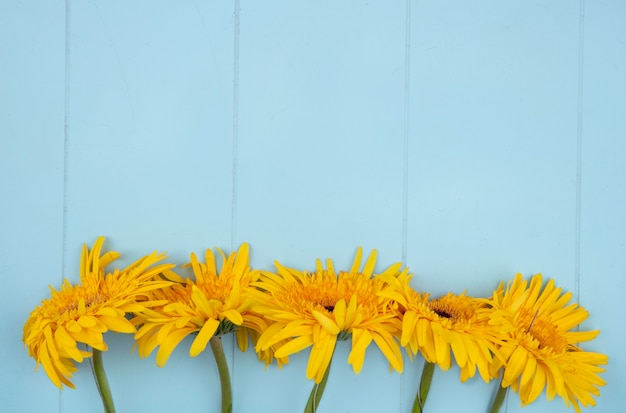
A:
[422,393]
[101,381]
[222,368]
[317,392]
[499,400]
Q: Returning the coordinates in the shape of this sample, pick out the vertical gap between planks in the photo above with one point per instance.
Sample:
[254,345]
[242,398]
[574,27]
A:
[235,154]
[579,144]
[405,153]
[235,126]
[66,109]
[405,143]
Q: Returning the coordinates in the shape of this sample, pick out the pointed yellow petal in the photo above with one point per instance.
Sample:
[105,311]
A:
[360,340]
[408,327]
[169,344]
[351,311]
[108,258]
[48,367]
[320,356]
[370,263]
[234,316]
[328,324]
[515,366]
[331,267]
[318,265]
[339,312]
[442,350]
[458,348]
[111,312]
[357,261]
[197,270]
[267,339]
[294,346]
[63,339]
[538,383]
[50,343]
[389,348]
[203,337]
[172,276]
[529,371]
[118,324]
[242,339]
[241,261]
[210,261]
[201,302]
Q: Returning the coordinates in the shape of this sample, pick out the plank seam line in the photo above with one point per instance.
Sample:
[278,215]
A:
[579,145]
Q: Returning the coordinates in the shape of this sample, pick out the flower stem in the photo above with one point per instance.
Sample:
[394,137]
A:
[422,393]
[317,392]
[222,368]
[101,381]
[499,400]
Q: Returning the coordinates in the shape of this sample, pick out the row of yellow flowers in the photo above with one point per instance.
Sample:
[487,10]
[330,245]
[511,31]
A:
[526,334]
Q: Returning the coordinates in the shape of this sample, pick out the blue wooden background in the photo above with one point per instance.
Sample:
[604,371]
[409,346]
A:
[468,138]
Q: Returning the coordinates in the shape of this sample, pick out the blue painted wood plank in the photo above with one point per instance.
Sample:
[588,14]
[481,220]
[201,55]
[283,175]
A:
[32,44]
[492,156]
[150,164]
[320,166]
[603,203]
[191,126]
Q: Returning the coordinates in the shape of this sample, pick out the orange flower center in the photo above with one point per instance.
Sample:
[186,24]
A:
[542,330]
[215,288]
[66,302]
[324,289]
[453,307]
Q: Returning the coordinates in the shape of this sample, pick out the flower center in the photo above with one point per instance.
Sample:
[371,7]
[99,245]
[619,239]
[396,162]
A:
[218,288]
[542,330]
[68,301]
[441,309]
[453,307]
[323,289]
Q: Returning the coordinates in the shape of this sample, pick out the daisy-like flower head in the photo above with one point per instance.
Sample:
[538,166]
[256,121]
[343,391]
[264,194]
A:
[451,325]
[211,305]
[82,313]
[541,351]
[317,309]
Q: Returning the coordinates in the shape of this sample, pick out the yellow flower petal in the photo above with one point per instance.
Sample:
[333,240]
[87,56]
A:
[206,333]
[368,269]
[294,346]
[326,305]
[117,324]
[408,327]
[459,349]
[361,339]
[540,352]
[390,349]
[536,386]
[326,322]
[209,301]
[234,316]
[340,313]
[169,344]
[321,353]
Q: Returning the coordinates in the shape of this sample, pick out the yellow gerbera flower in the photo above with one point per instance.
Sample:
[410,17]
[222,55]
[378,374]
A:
[82,313]
[451,325]
[541,350]
[317,309]
[210,305]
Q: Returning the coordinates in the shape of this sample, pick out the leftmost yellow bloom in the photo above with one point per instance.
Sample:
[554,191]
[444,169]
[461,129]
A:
[81,313]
